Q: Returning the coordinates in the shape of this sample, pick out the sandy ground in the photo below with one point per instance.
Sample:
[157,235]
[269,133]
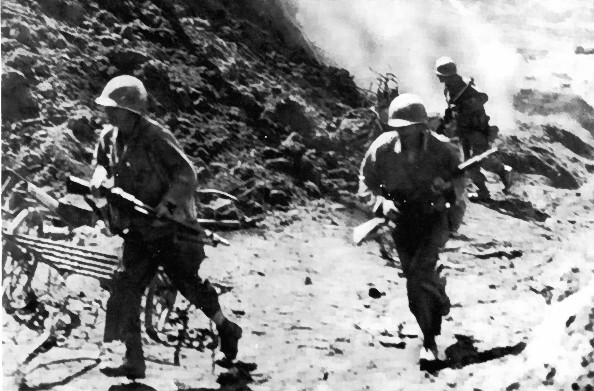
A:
[300,291]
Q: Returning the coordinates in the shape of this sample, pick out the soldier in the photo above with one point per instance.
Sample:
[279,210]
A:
[466,107]
[413,174]
[145,160]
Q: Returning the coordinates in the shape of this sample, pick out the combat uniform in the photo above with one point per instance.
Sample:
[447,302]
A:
[425,216]
[151,166]
[466,107]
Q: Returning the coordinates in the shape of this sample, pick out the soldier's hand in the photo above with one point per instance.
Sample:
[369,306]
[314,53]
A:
[389,210]
[439,185]
[165,208]
[99,175]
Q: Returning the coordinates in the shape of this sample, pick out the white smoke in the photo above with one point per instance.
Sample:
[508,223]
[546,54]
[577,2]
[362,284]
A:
[405,38]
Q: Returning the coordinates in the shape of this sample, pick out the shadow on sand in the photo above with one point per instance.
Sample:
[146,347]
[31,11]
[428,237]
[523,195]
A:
[134,386]
[464,353]
[25,386]
[236,378]
[514,207]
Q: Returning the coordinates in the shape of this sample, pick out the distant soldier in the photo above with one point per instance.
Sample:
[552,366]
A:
[467,113]
[414,175]
[145,160]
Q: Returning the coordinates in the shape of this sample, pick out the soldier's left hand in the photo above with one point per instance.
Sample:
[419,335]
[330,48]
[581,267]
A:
[439,185]
[166,208]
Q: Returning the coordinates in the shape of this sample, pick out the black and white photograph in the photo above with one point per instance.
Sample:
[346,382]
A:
[295,195]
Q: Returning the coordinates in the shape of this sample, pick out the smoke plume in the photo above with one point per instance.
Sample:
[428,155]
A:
[406,38]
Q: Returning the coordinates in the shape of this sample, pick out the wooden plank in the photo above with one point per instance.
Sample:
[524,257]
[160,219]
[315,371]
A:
[67,246]
[59,263]
[75,260]
[42,247]
[83,273]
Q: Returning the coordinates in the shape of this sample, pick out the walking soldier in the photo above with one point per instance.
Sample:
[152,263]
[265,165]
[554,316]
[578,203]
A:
[415,178]
[466,109]
[145,160]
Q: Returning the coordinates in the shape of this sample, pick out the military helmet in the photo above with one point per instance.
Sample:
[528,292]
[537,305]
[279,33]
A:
[406,110]
[125,92]
[445,66]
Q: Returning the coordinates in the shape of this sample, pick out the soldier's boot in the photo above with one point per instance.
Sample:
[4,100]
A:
[506,177]
[229,334]
[133,367]
[127,369]
[482,193]
[429,350]
[480,181]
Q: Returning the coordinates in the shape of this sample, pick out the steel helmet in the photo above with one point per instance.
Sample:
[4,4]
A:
[406,110]
[445,66]
[125,92]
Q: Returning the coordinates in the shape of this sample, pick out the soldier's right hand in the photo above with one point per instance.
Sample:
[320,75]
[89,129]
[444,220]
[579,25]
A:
[99,175]
[389,210]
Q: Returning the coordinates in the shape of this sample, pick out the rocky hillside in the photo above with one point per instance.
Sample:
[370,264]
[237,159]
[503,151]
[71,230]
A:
[255,111]
[262,117]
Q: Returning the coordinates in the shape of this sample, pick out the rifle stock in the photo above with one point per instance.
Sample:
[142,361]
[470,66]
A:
[363,231]
[475,160]
[117,195]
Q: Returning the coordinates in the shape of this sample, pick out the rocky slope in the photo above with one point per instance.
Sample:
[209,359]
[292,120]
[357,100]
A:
[263,119]
[254,112]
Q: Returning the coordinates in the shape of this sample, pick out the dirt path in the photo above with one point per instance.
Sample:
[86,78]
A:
[300,291]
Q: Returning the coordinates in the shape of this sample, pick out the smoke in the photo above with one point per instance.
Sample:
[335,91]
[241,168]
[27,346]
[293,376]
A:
[406,38]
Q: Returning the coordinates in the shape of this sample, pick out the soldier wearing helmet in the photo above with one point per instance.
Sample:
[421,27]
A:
[145,160]
[412,175]
[466,110]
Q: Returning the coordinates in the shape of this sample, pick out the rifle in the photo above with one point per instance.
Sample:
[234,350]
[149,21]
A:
[118,196]
[73,215]
[363,231]
[41,196]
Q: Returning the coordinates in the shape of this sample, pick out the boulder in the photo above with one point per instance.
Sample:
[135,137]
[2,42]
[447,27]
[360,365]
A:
[312,189]
[127,59]
[56,41]
[220,209]
[134,29]
[155,75]
[74,209]
[108,40]
[23,34]
[70,11]
[270,153]
[23,60]
[279,197]
[17,100]
[152,16]
[307,170]
[82,126]
[293,144]
[582,50]
[280,164]
[46,90]
[9,45]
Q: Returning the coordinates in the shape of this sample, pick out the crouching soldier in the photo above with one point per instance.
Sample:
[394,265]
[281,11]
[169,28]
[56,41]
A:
[415,176]
[466,108]
[146,161]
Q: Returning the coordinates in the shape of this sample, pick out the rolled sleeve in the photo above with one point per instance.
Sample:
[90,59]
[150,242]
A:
[100,155]
[180,173]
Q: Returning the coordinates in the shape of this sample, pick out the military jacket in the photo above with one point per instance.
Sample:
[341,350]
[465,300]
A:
[151,166]
[466,106]
[387,171]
